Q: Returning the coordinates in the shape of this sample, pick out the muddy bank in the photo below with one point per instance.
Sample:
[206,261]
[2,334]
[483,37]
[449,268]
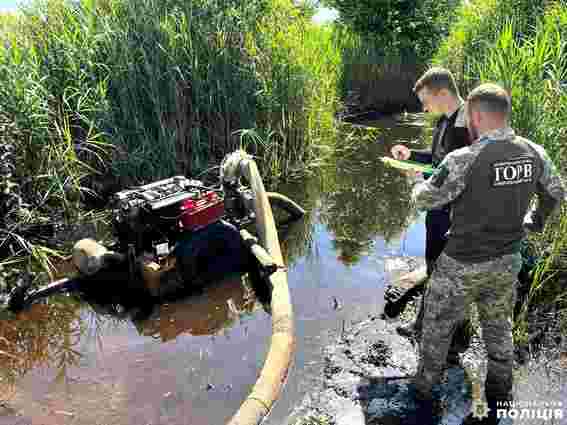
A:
[367,370]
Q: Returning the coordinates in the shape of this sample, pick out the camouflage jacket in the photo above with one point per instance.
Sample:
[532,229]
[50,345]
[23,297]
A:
[489,186]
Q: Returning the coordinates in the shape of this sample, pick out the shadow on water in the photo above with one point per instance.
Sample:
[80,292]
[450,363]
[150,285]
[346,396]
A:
[85,361]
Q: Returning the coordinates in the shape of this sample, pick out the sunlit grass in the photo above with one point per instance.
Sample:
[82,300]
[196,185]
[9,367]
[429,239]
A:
[168,90]
[121,91]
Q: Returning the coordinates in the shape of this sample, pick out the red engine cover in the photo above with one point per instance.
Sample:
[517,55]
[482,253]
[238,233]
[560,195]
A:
[198,213]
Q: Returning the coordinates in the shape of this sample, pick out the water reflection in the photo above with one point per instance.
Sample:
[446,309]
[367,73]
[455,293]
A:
[217,308]
[50,335]
[44,335]
[363,198]
[354,194]
[196,375]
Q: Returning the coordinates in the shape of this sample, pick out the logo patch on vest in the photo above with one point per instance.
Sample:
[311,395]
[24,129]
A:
[516,171]
[439,176]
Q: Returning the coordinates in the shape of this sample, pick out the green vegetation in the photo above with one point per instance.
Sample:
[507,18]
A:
[164,87]
[522,45]
[402,26]
[364,199]
[101,94]
[386,46]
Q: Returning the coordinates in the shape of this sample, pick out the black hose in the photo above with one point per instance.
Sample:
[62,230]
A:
[283,202]
[21,297]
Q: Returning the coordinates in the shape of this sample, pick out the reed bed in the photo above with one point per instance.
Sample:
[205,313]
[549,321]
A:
[103,94]
[522,45]
[165,87]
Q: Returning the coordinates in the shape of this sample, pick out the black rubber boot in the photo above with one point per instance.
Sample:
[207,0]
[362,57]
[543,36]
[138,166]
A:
[397,299]
[409,331]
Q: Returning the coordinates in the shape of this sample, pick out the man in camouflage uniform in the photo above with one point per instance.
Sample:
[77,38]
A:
[489,186]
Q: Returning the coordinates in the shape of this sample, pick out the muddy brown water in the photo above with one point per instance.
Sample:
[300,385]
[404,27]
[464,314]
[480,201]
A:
[194,361]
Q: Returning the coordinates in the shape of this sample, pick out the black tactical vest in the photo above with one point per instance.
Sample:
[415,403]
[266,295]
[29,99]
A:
[487,218]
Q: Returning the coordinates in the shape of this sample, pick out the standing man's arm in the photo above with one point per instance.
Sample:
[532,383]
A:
[550,192]
[445,185]
[421,155]
[461,136]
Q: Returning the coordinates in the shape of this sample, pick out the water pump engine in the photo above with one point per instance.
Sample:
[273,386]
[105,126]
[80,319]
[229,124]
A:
[152,217]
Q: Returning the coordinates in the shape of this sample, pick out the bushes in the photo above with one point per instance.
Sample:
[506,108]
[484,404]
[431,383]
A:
[402,26]
[385,48]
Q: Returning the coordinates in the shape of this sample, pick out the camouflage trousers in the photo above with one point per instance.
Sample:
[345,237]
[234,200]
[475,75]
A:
[453,288]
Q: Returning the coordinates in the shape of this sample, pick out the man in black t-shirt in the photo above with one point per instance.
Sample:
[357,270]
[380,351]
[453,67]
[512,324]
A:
[439,94]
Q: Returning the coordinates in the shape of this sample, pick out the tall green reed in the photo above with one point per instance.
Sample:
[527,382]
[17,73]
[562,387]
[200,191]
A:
[522,46]
[480,22]
[130,91]
[170,83]
[297,66]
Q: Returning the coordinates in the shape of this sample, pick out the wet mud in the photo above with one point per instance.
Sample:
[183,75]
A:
[368,369]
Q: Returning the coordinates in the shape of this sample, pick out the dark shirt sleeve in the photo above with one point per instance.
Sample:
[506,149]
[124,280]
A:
[550,191]
[421,155]
[461,139]
[456,136]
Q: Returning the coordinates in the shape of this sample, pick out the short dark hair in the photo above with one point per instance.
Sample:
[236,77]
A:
[491,98]
[435,79]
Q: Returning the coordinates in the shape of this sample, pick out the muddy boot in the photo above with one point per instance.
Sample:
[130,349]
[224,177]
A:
[412,331]
[398,298]
[460,343]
